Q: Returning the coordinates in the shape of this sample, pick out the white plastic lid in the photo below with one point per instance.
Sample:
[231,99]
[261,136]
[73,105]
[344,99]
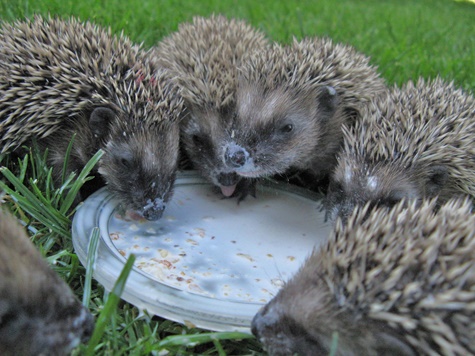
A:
[209,261]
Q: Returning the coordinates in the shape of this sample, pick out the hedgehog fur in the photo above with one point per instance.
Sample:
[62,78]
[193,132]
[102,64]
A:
[39,314]
[203,57]
[291,103]
[418,141]
[391,283]
[64,77]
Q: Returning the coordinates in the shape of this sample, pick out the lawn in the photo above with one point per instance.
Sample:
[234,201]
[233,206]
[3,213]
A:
[404,38]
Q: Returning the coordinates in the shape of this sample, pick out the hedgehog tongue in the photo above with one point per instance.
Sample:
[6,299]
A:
[228,190]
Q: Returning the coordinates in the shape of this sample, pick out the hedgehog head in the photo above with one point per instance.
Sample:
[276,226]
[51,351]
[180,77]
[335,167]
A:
[141,143]
[53,321]
[39,314]
[409,144]
[289,109]
[356,181]
[203,133]
[361,293]
[202,57]
[305,319]
[274,130]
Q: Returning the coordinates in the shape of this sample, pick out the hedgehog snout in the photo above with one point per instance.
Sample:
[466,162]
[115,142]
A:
[235,156]
[267,328]
[264,321]
[154,209]
[228,179]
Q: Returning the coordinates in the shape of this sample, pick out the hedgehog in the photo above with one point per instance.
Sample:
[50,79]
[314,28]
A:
[39,314]
[65,79]
[391,283]
[203,57]
[291,103]
[415,142]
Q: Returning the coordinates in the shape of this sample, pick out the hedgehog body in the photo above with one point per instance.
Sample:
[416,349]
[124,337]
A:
[392,283]
[60,78]
[203,57]
[291,103]
[39,313]
[416,142]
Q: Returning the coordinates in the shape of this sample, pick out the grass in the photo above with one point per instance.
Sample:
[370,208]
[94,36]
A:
[405,39]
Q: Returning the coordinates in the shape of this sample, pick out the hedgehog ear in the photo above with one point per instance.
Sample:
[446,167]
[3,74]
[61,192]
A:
[328,101]
[99,121]
[438,176]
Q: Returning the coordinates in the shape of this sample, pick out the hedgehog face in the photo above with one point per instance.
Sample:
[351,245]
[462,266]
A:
[51,323]
[203,133]
[306,315]
[281,331]
[356,182]
[140,163]
[275,130]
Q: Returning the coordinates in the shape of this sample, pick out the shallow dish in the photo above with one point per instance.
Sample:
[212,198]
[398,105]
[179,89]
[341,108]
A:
[208,262]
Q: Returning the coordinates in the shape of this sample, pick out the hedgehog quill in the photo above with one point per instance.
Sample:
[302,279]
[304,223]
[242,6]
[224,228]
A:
[39,314]
[391,283]
[416,142]
[203,57]
[64,77]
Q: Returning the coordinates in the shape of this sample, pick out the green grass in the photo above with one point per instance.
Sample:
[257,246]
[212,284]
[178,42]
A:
[405,39]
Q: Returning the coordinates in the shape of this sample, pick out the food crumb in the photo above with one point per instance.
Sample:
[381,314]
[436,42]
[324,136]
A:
[114,236]
[166,263]
[133,227]
[201,232]
[277,282]
[246,256]
[189,324]
[291,258]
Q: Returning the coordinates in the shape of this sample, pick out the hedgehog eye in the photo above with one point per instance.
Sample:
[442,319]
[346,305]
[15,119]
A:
[125,162]
[336,187]
[393,198]
[198,140]
[287,128]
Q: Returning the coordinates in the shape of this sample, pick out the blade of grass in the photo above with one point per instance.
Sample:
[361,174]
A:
[81,179]
[197,339]
[29,202]
[110,306]
[91,260]
[334,344]
[219,348]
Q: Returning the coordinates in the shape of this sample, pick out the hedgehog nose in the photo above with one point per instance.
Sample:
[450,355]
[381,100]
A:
[153,214]
[235,156]
[262,321]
